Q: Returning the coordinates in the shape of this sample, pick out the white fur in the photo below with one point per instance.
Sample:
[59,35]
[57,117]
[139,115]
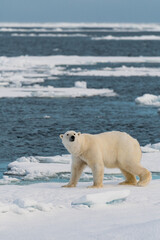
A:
[110,149]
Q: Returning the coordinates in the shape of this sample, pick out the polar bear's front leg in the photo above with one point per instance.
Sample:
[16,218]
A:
[98,174]
[77,167]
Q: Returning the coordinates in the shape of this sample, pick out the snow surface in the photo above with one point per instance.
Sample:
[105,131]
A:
[47,211]
[101,198]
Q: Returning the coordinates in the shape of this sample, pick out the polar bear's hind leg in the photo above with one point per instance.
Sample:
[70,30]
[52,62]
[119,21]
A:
[143,174]
[130,178]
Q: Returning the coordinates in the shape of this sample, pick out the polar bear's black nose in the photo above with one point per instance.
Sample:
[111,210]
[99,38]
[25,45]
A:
[72,138]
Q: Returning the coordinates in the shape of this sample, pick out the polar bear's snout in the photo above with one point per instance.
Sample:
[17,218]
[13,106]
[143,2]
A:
[72,138]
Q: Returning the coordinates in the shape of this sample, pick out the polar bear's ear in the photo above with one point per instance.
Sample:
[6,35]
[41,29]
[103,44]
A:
[79,133]
[61,136]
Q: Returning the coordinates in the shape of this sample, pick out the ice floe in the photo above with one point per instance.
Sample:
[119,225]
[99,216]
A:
[132,38]
[52,92]
[117,72]
[149,100]
[39,167]
[28,71]
[151,147]
[127,27]
[47,35]
[8,180]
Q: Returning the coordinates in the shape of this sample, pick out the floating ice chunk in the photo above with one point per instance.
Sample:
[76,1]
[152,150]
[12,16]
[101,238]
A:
[7,180]
[51,92]
[47,116]
[80,84]
[148,149]
[151,147]
[64,158]
[132,38]
[39,167]
[149,99]
[47,35]
[27,159]
[116,72]
[102,198]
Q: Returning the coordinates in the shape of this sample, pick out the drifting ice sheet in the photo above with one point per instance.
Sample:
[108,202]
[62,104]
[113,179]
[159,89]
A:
[51,92]
[132,38]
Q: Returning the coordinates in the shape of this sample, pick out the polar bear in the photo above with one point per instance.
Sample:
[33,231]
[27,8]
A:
[109,149]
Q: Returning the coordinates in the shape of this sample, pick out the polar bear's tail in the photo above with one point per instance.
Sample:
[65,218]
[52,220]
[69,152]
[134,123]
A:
[145,178]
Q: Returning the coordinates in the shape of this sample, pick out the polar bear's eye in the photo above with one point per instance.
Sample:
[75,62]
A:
[74,134]
[67,134]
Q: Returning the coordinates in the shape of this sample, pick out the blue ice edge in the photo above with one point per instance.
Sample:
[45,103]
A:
[109,197]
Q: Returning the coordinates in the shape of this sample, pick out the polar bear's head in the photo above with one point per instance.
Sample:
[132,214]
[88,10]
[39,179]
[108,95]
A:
[71,141]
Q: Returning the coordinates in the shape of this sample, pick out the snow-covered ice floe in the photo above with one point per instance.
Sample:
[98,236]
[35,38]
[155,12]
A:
[46,35]
[28,70]
[116,72]
[102,198]
[24,76]
[149,100]
[59,27]
[38,167]
[79,90]
[151,147]
[132,38]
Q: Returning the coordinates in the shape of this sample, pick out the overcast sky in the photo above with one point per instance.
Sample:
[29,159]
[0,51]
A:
[79,10]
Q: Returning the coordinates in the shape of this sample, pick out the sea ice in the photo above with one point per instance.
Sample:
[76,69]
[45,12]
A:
[31,168]
[116,72]
[149,99]
[51,92]
[80,84]
[132,38]
[43,210]
[7,180]
[46,35]
[80,27]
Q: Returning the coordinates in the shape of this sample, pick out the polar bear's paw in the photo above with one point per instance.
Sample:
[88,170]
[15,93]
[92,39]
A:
[134,183]
[96,186]
[69,185]
[145,179]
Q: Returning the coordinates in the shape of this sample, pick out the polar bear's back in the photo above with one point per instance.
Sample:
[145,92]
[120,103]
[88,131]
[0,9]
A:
[117,148]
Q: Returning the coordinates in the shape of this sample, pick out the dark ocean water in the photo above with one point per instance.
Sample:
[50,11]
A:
[25,131]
